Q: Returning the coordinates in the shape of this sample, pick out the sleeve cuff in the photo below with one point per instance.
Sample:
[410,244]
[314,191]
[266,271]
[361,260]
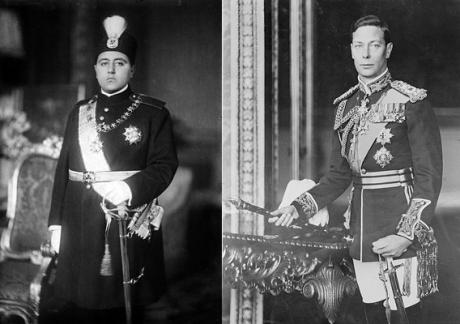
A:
[306,205]
[411,224]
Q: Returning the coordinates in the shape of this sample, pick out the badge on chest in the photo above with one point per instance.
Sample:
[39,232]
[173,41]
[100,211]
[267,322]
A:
[132,134]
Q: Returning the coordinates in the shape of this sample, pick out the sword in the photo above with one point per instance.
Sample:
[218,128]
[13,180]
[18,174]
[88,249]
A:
[125,262]
[391,270]
[243,205]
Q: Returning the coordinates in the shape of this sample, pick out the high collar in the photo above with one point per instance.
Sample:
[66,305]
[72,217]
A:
[375,85]
[116,98]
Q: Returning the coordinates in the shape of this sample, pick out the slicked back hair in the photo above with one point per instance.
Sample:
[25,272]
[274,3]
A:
[372,20]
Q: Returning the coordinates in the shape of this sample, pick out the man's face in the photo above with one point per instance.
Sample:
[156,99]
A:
[113,71]
[369,52]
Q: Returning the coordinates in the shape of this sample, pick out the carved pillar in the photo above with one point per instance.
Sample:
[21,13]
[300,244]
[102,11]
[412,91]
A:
[302,43]
[243,130]
[275,101]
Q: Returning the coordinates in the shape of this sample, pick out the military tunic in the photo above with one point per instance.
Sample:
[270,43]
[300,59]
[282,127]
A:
[387,143]
[76,206]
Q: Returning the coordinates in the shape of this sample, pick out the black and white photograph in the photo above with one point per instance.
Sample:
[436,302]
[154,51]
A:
[341,127]
[229,161]
[110,159]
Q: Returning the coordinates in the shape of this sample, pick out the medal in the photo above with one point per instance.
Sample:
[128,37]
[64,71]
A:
[112,42]
[132,135]
[383,157]
[384,136]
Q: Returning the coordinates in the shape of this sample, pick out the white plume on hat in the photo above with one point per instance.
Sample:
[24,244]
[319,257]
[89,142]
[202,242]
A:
[115,26]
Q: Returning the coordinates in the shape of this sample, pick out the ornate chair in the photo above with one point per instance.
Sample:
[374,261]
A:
[22,265]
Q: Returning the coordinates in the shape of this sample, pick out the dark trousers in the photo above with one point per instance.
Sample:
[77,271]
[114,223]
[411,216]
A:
[76,315]
[375,314]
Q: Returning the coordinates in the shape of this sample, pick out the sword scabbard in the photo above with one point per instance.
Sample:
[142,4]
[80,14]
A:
[391,271]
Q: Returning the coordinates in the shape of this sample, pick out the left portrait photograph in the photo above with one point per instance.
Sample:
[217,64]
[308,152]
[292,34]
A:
[110,161]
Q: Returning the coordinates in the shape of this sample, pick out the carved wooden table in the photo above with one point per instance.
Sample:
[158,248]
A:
[314,263]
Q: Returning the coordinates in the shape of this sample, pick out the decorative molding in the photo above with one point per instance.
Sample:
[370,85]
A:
[275,99]
[25,312]
[275,265]
[329,285]
[251,121]
[308,37]
[302,47]
[243,130]
[295,26]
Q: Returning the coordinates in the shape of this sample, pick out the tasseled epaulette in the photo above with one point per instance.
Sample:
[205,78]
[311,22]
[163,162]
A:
[147,100]
[414,94]
[345,95]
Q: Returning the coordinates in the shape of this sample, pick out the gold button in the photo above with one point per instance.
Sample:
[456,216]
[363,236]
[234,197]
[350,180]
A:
[106,109]
[101,118]
[363,171]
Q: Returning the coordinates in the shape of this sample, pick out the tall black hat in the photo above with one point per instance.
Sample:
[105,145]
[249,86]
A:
[117,39]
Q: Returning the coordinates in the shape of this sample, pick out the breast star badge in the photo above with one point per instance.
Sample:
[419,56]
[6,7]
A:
[132,135]
[383,157]
[384,136]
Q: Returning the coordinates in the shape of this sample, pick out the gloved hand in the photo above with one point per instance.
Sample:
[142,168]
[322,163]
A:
[55,237]
[117,192]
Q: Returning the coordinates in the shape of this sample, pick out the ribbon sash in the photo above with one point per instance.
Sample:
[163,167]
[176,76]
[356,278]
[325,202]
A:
[94,160]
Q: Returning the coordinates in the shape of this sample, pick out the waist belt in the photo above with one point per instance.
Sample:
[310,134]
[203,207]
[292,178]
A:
[90,177]
[384,179]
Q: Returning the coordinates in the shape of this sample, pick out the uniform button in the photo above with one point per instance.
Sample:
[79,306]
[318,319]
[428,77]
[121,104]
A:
[363,171]
[101,118]
[106,109]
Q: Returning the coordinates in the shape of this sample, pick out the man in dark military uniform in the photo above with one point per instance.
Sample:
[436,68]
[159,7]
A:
[118,153]
[387,143]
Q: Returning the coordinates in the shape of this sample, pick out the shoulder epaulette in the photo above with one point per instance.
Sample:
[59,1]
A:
[86,101]
[147,100]
[414,94]
[345,95]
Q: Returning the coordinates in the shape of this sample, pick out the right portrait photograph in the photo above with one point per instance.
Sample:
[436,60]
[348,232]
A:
[340,178]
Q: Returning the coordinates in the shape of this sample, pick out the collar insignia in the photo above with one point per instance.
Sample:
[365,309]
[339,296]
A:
[377,85]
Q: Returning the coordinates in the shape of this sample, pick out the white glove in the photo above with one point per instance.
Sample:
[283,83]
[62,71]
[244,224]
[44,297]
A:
[117,192]
[55,237]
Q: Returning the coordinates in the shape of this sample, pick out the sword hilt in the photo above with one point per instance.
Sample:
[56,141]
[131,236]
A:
[396,290]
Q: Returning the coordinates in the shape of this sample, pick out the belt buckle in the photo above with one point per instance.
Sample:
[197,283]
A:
[89,177]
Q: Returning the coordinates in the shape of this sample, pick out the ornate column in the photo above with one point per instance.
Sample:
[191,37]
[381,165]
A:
[243,130]
[302,43]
